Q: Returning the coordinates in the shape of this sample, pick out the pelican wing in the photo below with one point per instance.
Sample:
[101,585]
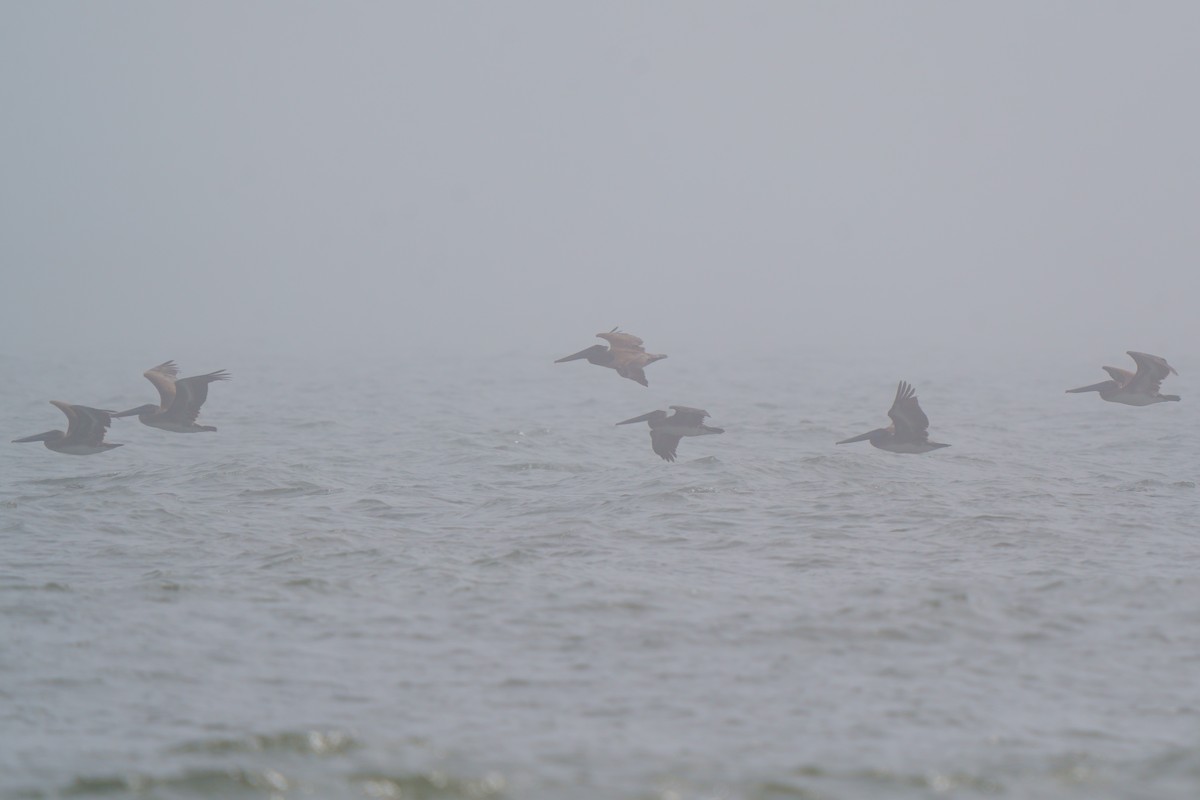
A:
[1151,370]
[622,341]
[73,424]
[634,374]
[664,444]
[688,416]
[97,420]
[86,425]
[190,394]
[163,377]
[630,363]
[909,420]
[1122,377]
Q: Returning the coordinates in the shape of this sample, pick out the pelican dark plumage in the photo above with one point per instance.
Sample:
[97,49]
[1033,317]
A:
[1134,388]
[85,431]
[624,353]
[180,399]
[666,431]
[909,431]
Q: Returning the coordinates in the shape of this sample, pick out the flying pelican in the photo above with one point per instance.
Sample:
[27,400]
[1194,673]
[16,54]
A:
[624,353]
[909,431]
[1140,389]
[85,431]
[665,432]
[181,399]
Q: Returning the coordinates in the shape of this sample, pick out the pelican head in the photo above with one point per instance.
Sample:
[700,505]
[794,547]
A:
[47,437]
[596,354]
[149,408]
[870,436]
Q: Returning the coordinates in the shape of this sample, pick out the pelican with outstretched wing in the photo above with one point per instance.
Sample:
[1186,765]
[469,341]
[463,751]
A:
[909,431]
[624,353]
[1134,388]
[666,431]
[85,431]
[181,399]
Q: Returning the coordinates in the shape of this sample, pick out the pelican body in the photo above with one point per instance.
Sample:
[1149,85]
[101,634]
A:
[666,431]
[909,431]
[1134,389]
[85,431]
[624,353]
[180,399]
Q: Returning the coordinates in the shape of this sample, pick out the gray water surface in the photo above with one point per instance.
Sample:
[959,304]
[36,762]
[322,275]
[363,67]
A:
[459,579]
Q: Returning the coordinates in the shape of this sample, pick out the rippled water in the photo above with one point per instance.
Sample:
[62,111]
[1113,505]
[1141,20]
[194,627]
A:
[461,580]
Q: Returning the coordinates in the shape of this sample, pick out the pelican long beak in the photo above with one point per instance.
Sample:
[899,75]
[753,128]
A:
[862,437]
[642,418]
[1095,387]
[574,357]
[37,437]
[132,412]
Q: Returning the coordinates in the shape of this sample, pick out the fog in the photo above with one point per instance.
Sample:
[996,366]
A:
[435,179]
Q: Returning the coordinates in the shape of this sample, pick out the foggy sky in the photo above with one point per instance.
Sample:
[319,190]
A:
[442,178]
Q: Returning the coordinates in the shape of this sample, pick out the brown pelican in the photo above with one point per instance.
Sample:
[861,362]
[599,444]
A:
[624,353]
[181,399]
[1134,389]
[85,431]
[666,431]
[909,431]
